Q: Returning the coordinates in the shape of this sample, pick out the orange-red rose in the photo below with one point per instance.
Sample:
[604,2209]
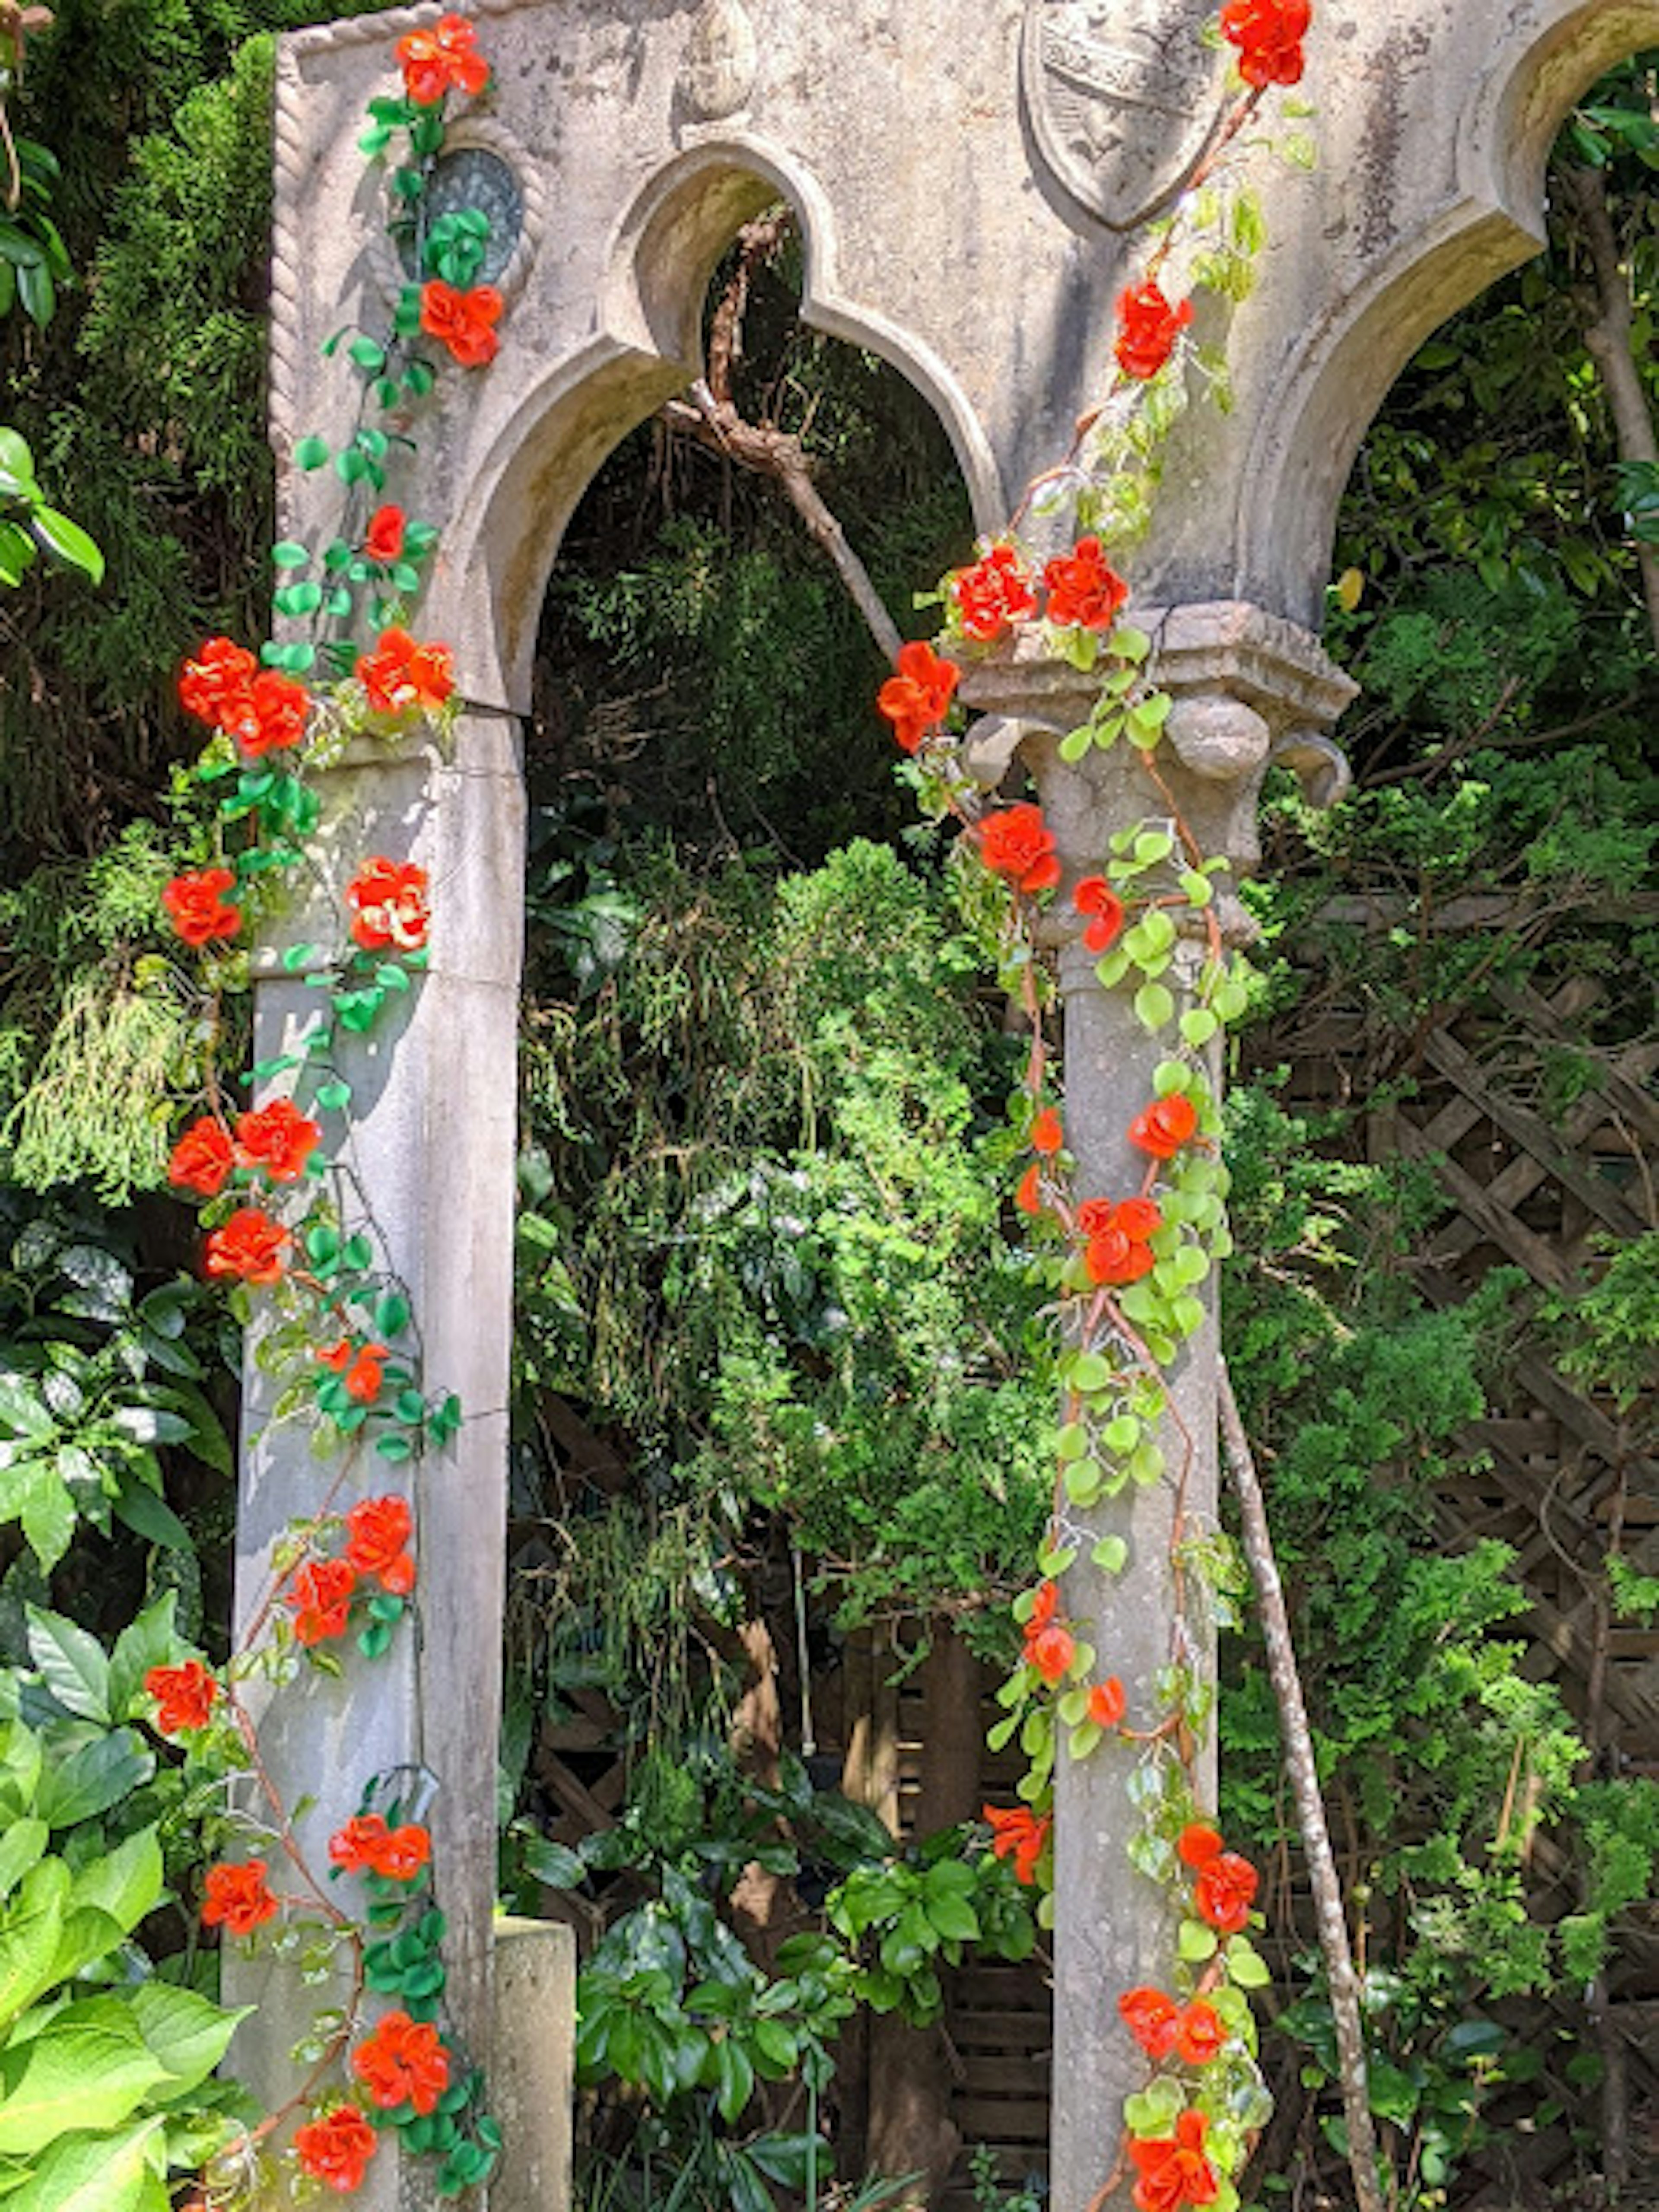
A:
[321,1599]
[366,1845]
[403,2063]
[263,710]
[1164,1126]
[1147,327]
[249,1247]
[196,906]
[278,1138]
[377,1539]
[1199,1843]
[1018,845]
[1268,34]
[1084,589]
[392,912]
[274,717]
[400,675]
[237,1899]
[213,686]
[1107,1702]
[184,1696]
[433,62]
[1095,896]
[918,698]
[1047,1133]
[1050,1647]
[1021,1835]
[1152,2018]
[362,1366]
[1173,2169]
[202,1159]
[463,321]
[1225,1891]
[1029,1196]
[1200,2034]
[1114,1259]
[383,541]
[994,594]
[335,2149]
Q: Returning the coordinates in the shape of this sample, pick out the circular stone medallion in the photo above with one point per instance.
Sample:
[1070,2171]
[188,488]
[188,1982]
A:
[473,177]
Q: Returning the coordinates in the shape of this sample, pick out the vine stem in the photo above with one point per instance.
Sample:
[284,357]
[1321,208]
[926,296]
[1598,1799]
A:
[1364,2156]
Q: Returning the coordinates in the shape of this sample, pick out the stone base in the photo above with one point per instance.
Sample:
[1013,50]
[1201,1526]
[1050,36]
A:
[531,2084]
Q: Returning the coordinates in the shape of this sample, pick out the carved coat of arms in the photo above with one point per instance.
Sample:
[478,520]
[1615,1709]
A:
[1120,94]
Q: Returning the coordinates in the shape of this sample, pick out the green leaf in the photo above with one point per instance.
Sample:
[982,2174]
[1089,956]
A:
[93,1778]
[185,2033]
[310,452]
[89,2068]
[149,1515]
[1154,1005]
[392,1316]
[290,554]
[331,1097]
[22,1844]
[47,1515]
[368,356]
[94,2173]
[31,1930]
[125,1883]
[1198,1026]
[1196,1940]
[72,1664]
[18,479]
[149,1641]
[68,543]
[1076,742]
[1110,1555]
[554,1865]
[1246,1965]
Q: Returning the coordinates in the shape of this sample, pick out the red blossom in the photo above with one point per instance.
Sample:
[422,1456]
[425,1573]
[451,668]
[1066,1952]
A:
[1018,845]
[1268,34]
[274,715]
[249,1247]
[336,2149]
[392,912]
[1084,590]
[994,594]
[403,2063]
[383,540]
[433,62]
[1047,1133]
[1029,1196]
[202,1159]
[1050,1646]
[1199,1843]
[1114,1259]
[400,675]
[1139,1217]
[196,906]
[1021,1835]
[463,321]
[321,1599]
[1225,1891]
[1165,1126]
[1201,2035]
[377,1540]
[237,1899]
[918,698]
[278,1138]
[214,685]
[1107,1702]
[360,1365]
[1147,327]
[1152,2018]
[184,1696]
[1173,2169]
[366,1845]
[1094,895]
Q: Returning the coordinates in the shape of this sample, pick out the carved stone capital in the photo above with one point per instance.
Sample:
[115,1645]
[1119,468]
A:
[1248,688]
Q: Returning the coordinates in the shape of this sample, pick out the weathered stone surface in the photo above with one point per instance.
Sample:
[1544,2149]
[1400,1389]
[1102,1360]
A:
[534,2079]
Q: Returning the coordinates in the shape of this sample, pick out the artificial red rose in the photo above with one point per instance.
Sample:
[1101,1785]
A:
[1095,896]
[1050,1647]
[1173,2169]
[994,594]
[196,906]
[1021,1835]
[403,2063]
[434,61]
[1018,844]
[400,675]
[355,1848]
[1047,1133]
[1165,1126]
[1115,1258]
[1148,327]
[1200,2034]
[390,898]
[1084,590]
[463,321]
[404,1853]
[1139,1217]
[237,1899]
[215,686]
[202,1159]
[1199,1843]
[1268,34]
[278,1138]
[1225,1891]
[184,1696]
[274,717]
[377,1539]
[359,1365]
[1095,1216]
[383,541]
[1107,1702]
[335,2149]
[1152,2018]
[918,698]
[249,1247]
[321,1599]
[1029,1196]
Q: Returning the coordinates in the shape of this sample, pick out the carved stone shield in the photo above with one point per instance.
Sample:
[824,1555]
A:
[1120,94]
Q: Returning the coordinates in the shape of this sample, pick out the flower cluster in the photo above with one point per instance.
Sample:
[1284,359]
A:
[1021,1835]
[366,1845]
[1147,328]
[998,592]
[321,1592]
[1268,34]
[443,59]
[1016,844]
[196,907]
[1116,1249]
[1225,1887]
[237,1898]
[389,903]
[185,1697]
[259,709]
[1193,2031]
[917,700]
[276,1140]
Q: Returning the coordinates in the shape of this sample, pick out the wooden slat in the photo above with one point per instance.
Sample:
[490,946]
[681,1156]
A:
[1500,1225]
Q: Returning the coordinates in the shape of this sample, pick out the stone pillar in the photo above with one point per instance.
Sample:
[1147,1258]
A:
[1248,687]
[429,1173]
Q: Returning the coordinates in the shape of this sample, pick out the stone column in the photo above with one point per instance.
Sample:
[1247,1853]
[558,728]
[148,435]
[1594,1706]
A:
[1248,687]
[430,1176]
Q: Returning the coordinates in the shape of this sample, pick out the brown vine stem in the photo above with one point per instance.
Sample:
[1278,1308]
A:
[1364,2156]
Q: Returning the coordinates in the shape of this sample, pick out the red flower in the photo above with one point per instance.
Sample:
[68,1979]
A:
[1116,1258]
[995,592]
[377,1536]
[1018,844]
[1152,2018]
[1029,1196]
[336,2149]
[404,1853]
[237,1898]
[1047,1133]
[1225,1892]
[360,1364]
[1165,1126]
[403,2064]
[274,716]
[390,896]
[1107,1702]
[918,698]
[278,1138]
[1050,1647]
[1201,2035]
[196,904]
[462,321]
[321,1599]
[1148,327]
[433,61]
[1094,895]
[213,686]
[1174,2170]
[250,1246]
[383,541]
[1084,588]
[1095,1216]
[400,675]
[1139,1217]
[184,1696]
[1199,1843]
[1020,1835]
[1268,34]
[202,1159]
[366,1844]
